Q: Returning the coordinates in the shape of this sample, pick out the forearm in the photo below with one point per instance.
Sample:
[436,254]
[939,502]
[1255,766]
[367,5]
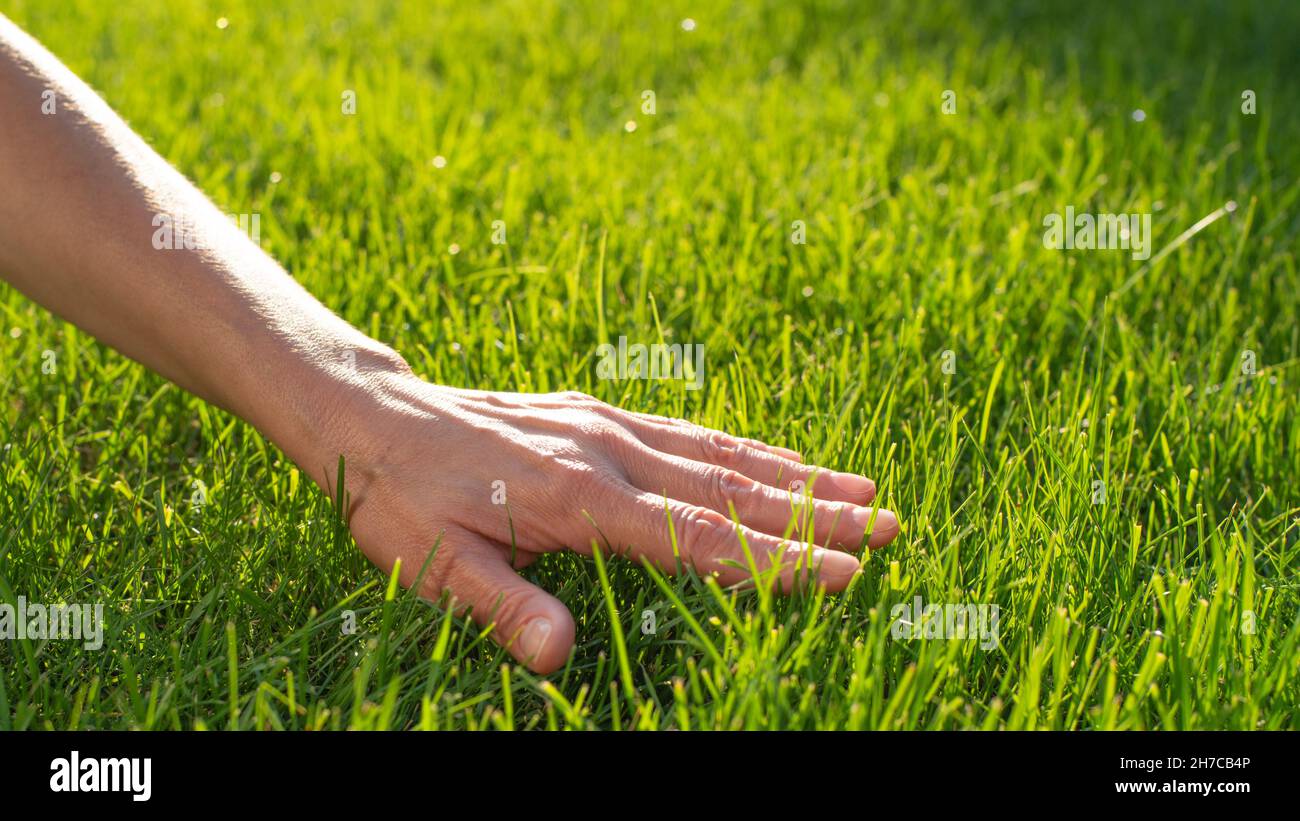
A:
[80,200]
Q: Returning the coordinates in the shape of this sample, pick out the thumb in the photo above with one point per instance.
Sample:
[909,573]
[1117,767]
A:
[534,626]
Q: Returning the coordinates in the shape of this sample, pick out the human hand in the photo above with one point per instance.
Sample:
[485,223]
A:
[429,464]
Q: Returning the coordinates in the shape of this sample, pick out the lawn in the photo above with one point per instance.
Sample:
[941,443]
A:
[844,203]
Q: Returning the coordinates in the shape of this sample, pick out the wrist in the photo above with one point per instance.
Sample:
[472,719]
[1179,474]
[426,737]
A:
[328,405]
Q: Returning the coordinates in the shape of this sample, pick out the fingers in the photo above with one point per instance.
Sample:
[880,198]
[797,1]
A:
[772,469]
[529,622]
[710,543]
[687,427]
[839,525]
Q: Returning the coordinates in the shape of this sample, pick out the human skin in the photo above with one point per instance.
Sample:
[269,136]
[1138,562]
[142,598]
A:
[425,463]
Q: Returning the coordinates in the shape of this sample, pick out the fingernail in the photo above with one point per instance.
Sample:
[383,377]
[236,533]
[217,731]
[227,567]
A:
[852,483]
[834,565]
[884,530]
[885,520]
[532,641]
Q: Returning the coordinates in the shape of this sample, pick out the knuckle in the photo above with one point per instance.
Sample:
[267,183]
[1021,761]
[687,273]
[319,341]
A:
[705,536]
[726,486]
[830,513]
[832,517]
[719,448]
[606,432]
[466,594]
[795,480]
[504,607]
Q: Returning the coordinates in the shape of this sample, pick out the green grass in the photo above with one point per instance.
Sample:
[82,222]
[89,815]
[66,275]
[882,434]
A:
[923,236]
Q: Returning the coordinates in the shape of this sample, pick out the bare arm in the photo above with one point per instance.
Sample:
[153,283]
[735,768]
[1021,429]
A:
[80,201]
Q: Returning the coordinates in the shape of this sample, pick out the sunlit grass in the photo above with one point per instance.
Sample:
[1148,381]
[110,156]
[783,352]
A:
[1169,603]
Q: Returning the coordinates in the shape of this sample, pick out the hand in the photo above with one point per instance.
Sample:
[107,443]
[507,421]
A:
[421,460]
[429,464]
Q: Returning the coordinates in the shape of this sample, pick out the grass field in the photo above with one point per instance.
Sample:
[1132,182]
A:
[1104,448]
